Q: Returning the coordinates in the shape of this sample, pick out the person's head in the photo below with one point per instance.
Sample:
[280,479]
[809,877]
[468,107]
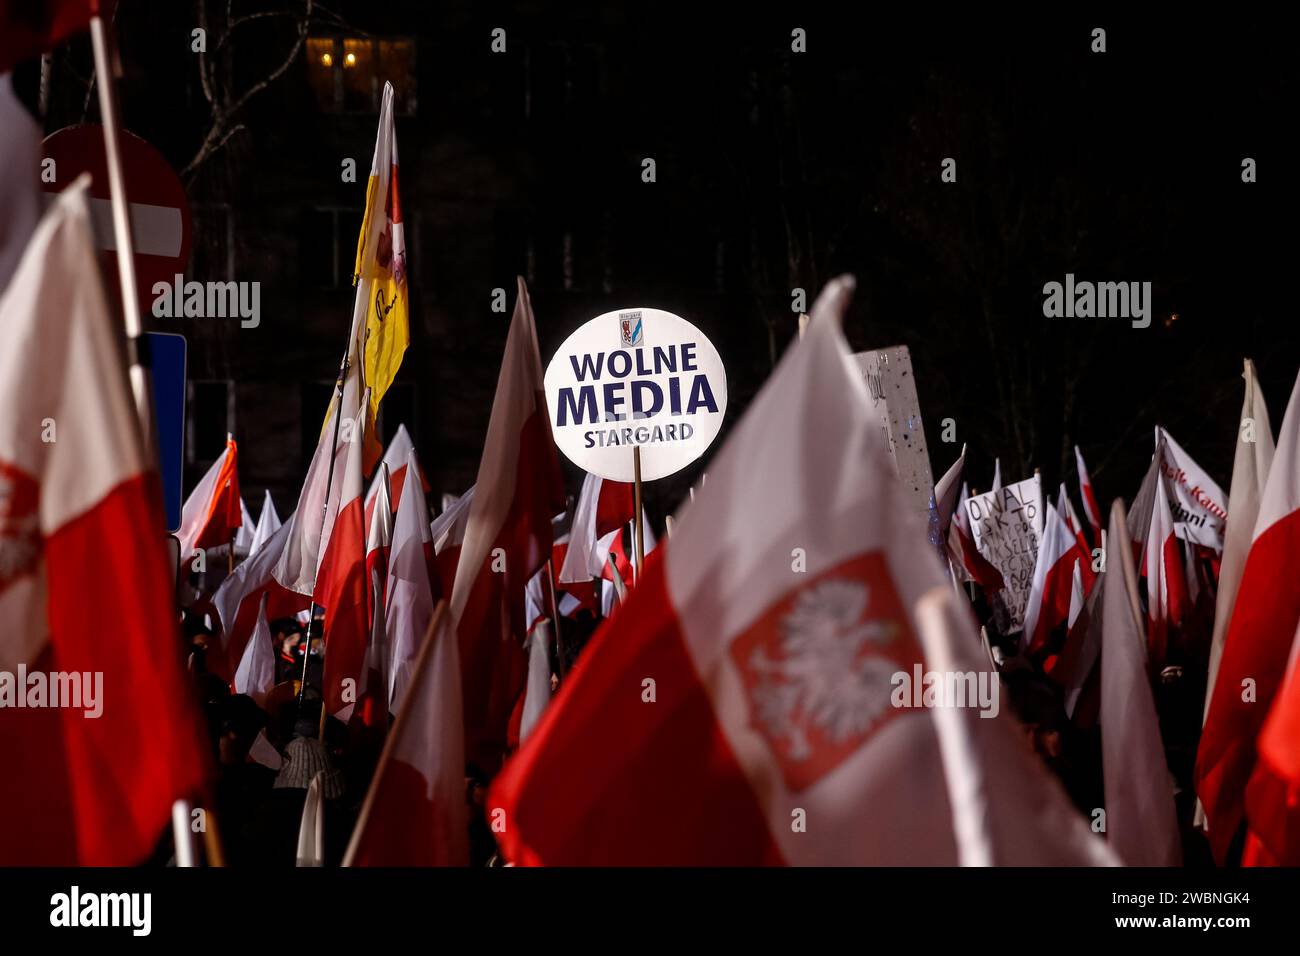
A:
[1036,700]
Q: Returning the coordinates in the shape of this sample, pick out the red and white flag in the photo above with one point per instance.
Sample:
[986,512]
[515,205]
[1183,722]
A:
[743,697]
[415,812]
[1078,595]
[947,491]
[410,599]
[312,522]
[966,557]
[211,514]
[603,508]
[1162,564]
[1250,467]
[238,602]
[98,733]
[448,533]
[341,584]
[372,701]
[1141,823]
[399,449]
[1086,493]
[1273,794]
[1049,592]
[1264,621]
[507,539]
[1065,507]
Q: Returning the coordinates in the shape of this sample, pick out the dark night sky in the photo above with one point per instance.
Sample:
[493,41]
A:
[1117,166]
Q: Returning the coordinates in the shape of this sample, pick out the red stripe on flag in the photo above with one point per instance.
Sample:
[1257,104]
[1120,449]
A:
[105,784]
[659,783]
[1257,647]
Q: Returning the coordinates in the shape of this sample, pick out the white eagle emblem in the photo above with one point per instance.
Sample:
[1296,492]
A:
[826,678]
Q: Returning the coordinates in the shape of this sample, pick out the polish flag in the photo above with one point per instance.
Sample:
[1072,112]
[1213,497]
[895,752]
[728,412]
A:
[1074,665]
[313,520]
[570,599]
[1049,591]
[410,599]
[966,557]
[507,539]
[948,490]
[255,675]
[211,514]
[373,694]
[400,448]
[1163,569]
[1250,469]
[1264,621]
[268,523]
[78,789]
[448,533]
[1141,822]
[1065,507]
[1273,794]
[771,690]
[341,585]
[1085,492]
[415,813]
[238,600]
[1078,596]
[603,507]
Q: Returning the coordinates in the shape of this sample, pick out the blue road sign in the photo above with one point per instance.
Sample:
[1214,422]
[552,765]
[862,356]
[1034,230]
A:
[167,364]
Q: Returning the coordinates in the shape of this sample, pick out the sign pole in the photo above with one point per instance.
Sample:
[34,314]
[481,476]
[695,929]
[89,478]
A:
[122,237]
[555,613]
[638,518]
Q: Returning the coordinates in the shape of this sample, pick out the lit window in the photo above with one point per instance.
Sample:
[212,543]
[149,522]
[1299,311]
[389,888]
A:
[347,75]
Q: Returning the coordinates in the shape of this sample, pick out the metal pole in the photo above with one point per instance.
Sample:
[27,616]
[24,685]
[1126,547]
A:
[638,518]
[135,342]
[555,613]
[329,482]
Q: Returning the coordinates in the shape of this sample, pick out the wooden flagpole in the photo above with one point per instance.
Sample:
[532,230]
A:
[403,715]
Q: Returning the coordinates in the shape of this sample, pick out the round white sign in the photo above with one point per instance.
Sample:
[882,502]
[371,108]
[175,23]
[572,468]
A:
[636,377]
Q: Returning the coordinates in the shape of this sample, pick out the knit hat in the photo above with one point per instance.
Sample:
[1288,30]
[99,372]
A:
[303,759]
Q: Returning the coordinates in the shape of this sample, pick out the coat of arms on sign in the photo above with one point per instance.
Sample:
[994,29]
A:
[629,325]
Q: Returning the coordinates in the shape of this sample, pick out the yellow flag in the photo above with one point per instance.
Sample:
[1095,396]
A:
[380,272]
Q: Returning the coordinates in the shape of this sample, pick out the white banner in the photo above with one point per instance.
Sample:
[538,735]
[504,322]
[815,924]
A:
[1007,525]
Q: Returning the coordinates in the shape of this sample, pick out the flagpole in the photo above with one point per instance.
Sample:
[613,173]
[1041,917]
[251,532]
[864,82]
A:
[136,344]
[555,613]
[325,508]
[386,755]
[638,517]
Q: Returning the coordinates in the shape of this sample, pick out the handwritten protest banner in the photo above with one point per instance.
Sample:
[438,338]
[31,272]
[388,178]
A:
[1007,525]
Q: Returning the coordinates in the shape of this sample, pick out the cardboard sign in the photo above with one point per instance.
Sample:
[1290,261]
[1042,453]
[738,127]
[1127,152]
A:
[888,374]
[1007,525]
[635,378]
